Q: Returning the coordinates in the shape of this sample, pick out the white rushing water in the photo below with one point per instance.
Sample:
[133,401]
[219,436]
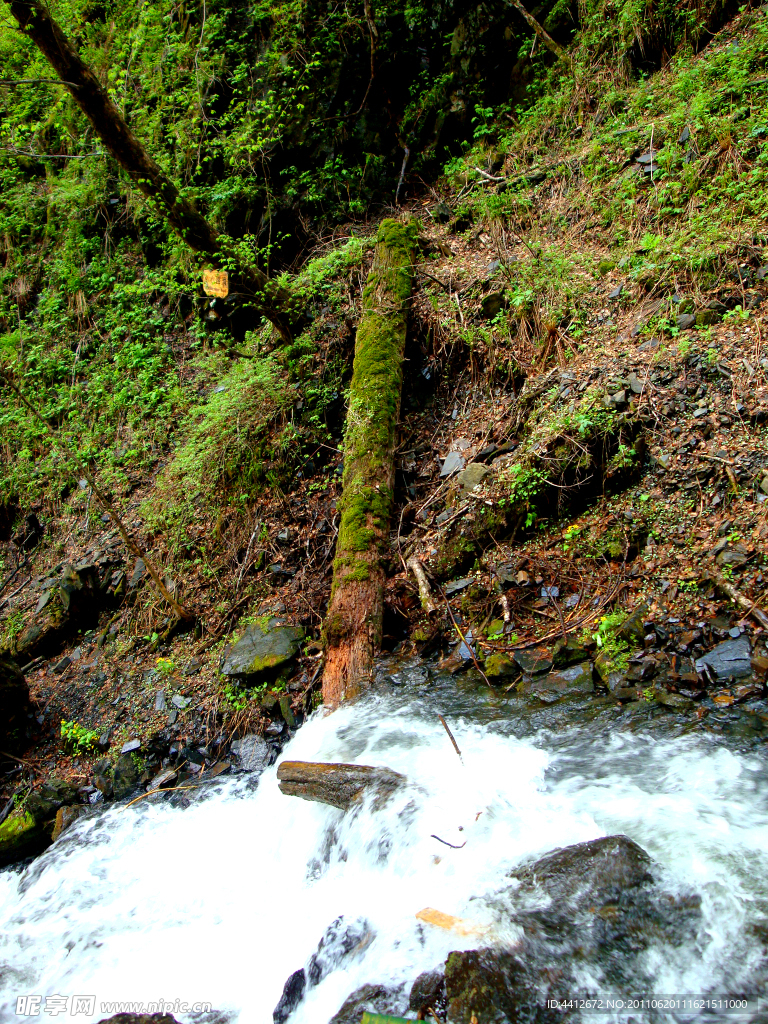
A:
[220,902]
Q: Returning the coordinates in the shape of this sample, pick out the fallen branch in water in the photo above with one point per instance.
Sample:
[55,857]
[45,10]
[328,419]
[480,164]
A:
[433,836]
[451,737]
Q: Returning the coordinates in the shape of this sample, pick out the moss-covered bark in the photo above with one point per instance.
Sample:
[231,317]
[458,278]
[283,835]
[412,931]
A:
[353,625]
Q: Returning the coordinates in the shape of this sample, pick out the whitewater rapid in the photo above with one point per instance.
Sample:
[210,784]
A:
[220,902]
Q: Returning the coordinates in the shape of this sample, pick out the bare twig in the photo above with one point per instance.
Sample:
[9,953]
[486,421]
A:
[451,737]
[433,836]
[463,638]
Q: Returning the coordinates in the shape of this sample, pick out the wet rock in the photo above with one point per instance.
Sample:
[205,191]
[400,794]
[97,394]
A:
[588,872]
[340,785]
[293,993]
[22,836]
[14,705]
[567,682]
[74,601]
[138,574]
[374,998]
[472,476]
[126,777]
[673,701]
[632,630]
[129,746]
[729,660]
[65,817]
[501,666]
[568,652]
[265,646]
[102,777]
[533,660]
[685,321]
[491,986]
[44,802]
[342,941]
[428,995]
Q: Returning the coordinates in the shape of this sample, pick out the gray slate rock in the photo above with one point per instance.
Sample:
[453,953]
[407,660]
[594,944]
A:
[729,660]
[265,646]
[129,746]
[454,462]
[252,753]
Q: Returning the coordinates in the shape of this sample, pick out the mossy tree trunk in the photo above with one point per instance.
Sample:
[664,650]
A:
[353,626]
[36,23]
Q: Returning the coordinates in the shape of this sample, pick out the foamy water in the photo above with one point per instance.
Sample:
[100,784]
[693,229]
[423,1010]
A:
[221,902]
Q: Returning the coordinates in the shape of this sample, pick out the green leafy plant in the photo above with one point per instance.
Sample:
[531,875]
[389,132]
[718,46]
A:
[77,739]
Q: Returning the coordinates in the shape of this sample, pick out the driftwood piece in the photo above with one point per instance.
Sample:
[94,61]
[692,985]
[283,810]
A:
[340,785]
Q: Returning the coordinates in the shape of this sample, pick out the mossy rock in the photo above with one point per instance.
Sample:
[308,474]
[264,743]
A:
[22,836]
[605,267]
[265,646]
[500,666]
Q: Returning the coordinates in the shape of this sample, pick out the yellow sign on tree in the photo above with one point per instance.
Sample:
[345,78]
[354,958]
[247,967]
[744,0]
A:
[216,282]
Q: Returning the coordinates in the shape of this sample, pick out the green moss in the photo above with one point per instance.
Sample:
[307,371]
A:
[374,403]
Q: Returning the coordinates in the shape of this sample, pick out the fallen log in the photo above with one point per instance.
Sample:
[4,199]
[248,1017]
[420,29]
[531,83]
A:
[340,785]
[353,625]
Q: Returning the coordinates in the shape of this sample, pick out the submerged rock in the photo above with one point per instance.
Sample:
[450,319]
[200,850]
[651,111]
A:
[428,995]
[374,998]
[341,942]
[589,871]
[265,646]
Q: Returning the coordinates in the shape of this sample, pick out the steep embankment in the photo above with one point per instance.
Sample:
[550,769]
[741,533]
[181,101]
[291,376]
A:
[586,345]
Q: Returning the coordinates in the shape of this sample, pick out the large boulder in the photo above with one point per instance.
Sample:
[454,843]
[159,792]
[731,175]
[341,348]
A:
[729,660]
[589,909]
[266,646]
[22,836]
[377,999]
[69,601]
[14,706]
[588,872]
[44,803]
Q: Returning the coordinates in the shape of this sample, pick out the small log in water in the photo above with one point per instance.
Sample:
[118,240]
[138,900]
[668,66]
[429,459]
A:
[339,785]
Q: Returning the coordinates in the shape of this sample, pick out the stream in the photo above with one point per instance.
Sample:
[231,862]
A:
[219,902]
